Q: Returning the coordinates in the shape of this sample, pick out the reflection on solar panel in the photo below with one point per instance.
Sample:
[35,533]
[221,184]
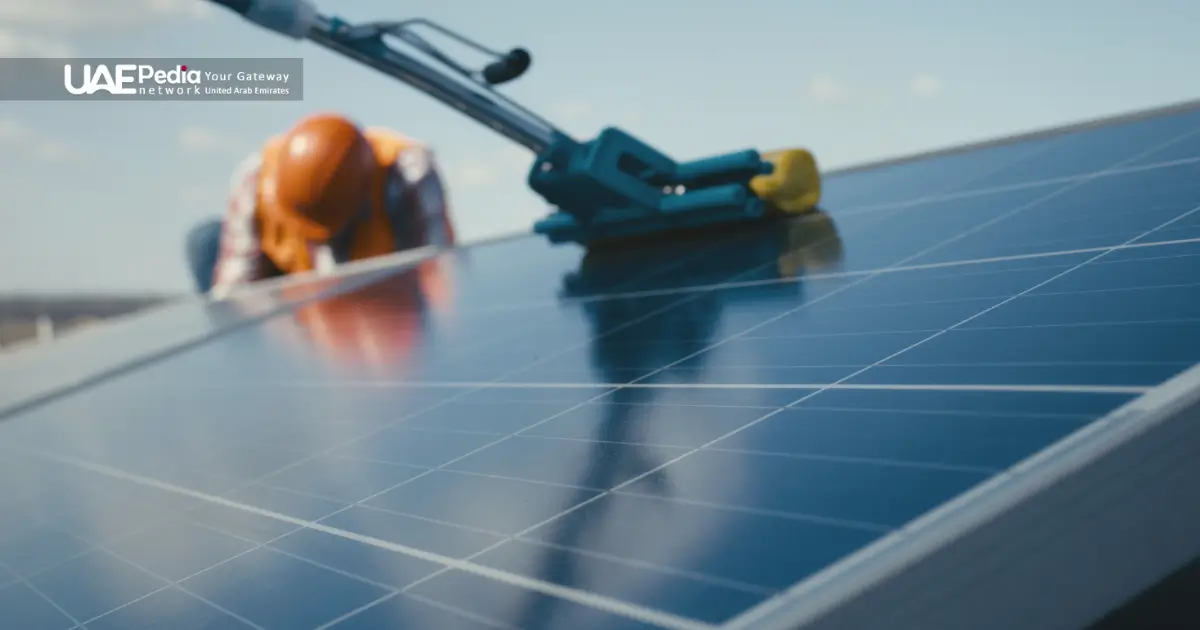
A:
[923,409]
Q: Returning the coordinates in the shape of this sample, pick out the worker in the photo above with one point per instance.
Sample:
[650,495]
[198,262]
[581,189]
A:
[323,193]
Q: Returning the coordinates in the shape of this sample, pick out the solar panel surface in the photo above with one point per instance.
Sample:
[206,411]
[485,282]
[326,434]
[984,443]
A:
[516,436]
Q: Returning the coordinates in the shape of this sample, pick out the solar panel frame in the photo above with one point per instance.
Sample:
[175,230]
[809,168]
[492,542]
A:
[1042,523]
[52,364]
[884,588]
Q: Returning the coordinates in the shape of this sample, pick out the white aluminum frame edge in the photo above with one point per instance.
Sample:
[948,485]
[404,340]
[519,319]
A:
[1062,539]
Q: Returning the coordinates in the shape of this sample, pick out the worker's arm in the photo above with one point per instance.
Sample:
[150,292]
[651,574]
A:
[241,260]
[423,193]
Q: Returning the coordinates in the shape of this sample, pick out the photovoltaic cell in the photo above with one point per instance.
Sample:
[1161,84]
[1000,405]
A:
[521,436]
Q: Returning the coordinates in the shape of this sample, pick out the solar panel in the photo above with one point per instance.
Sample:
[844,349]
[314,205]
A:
[40,373]
[948,400]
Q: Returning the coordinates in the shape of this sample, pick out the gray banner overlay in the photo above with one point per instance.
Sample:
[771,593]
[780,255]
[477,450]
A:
[133,79]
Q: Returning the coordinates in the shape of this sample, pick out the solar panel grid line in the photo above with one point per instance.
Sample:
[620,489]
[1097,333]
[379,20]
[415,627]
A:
[481,620]
[1033,288]
[387,598]
[875,528]
[844,459]
[255,546]
[96,547]
[991,222]
[318,564]
[50,566]
[620,488]
[504,438]
[302,461]
[855,273]
[167,585]
[498,382]
[1000,480]
[1023,293]
[83,625]
[633,382]
[669,462]
[835,275]
[1116,171]
[922,387]
[1049,196]
[689,575]
[843,582]
[726,583]
[623,609]
[813,518]
[1120,246]
[170,583]
[530,326]
[1077,325]
[471,388]
[23,581]
[1093,124]
[93,548]
[657,568]
[951,188]
[682,262]
[919,254]
[391,590]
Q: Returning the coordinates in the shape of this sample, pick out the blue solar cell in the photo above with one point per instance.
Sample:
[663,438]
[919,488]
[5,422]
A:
[907,181]
[95,583]
[39,548]
[1088,151]
[655,436]
[413,531]
[157,548]
[516,608]
[169,608]
[20,603]
[305,594]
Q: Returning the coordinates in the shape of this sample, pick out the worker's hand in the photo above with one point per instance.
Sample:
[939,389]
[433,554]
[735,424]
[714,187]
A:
[794,186]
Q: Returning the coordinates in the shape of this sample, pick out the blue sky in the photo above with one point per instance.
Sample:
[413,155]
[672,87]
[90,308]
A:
[99,195]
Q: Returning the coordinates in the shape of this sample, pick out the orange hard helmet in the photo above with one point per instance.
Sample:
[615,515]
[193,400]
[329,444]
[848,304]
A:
[318,179]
